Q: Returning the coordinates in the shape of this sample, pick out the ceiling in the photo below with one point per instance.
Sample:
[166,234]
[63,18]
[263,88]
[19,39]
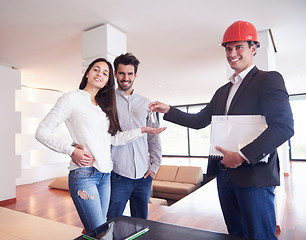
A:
[176,41]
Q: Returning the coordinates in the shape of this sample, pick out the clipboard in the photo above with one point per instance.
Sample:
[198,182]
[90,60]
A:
[232,132]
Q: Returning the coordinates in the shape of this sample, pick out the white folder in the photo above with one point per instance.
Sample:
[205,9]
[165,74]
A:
[233,132]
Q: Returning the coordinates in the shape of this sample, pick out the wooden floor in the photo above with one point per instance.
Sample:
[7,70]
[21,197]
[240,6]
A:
[199,210]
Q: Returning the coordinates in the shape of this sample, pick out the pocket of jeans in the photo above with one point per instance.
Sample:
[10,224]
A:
[115,177]
[150,177]
[84,172]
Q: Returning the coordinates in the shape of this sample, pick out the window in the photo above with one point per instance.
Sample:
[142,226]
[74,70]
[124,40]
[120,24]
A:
[199,139]
[181,141]
[298,141]
[186,142]
[174,139]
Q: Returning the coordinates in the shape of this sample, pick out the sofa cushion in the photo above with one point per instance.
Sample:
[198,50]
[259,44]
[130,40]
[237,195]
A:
[188,174]
[166,173]
[173,187]
[60,183]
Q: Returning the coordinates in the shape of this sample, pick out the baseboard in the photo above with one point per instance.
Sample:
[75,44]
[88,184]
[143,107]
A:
[8,201]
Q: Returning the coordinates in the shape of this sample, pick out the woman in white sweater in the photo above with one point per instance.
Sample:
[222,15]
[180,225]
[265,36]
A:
[90,115]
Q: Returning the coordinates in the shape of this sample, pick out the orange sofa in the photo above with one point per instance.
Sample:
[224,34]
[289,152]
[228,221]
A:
[175,182]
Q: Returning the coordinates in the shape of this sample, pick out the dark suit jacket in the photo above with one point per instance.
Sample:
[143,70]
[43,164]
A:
[260,93]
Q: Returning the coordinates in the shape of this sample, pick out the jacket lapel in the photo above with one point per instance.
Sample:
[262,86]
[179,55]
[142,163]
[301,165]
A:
[223,99]
[245,82]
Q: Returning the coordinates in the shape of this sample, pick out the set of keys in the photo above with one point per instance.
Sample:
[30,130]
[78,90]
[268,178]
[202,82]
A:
[151,117]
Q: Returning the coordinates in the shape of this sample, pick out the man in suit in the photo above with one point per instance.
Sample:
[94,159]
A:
[247,180]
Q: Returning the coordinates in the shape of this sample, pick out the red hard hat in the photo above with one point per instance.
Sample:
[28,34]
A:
[240,31]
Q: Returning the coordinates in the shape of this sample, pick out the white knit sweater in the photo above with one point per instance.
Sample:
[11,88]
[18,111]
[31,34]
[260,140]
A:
[88,126]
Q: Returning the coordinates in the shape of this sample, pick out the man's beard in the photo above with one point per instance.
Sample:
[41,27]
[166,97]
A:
[124,88]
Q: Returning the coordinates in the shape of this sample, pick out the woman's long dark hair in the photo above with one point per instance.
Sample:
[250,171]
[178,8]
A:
[106,97]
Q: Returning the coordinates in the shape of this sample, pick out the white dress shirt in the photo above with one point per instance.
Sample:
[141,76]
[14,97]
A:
[236,81]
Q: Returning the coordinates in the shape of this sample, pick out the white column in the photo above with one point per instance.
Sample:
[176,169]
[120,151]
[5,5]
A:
[11,124]
[103,41]
[265,57]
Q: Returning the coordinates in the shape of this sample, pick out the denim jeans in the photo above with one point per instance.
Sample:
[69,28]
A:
[90,192]
[138,191]
[248,212]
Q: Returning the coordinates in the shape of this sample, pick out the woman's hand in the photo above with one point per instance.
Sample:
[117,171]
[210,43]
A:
[159,107]
[151,130]
[81,157]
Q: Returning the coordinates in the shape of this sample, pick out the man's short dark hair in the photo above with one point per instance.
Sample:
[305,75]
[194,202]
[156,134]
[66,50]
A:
[251,43]
[126,59]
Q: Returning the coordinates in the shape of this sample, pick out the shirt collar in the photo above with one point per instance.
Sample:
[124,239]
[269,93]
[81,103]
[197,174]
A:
[235,79]
[120,92]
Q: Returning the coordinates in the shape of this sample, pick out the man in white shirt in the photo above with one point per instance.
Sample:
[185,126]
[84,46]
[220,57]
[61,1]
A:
[136,163]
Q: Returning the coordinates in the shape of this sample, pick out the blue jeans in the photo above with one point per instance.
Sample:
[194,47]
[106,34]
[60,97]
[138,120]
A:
[248,212]
[123,189]
[90,192]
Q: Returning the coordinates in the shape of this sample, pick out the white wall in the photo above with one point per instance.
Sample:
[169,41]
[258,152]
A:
[10,125]
[38,162]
